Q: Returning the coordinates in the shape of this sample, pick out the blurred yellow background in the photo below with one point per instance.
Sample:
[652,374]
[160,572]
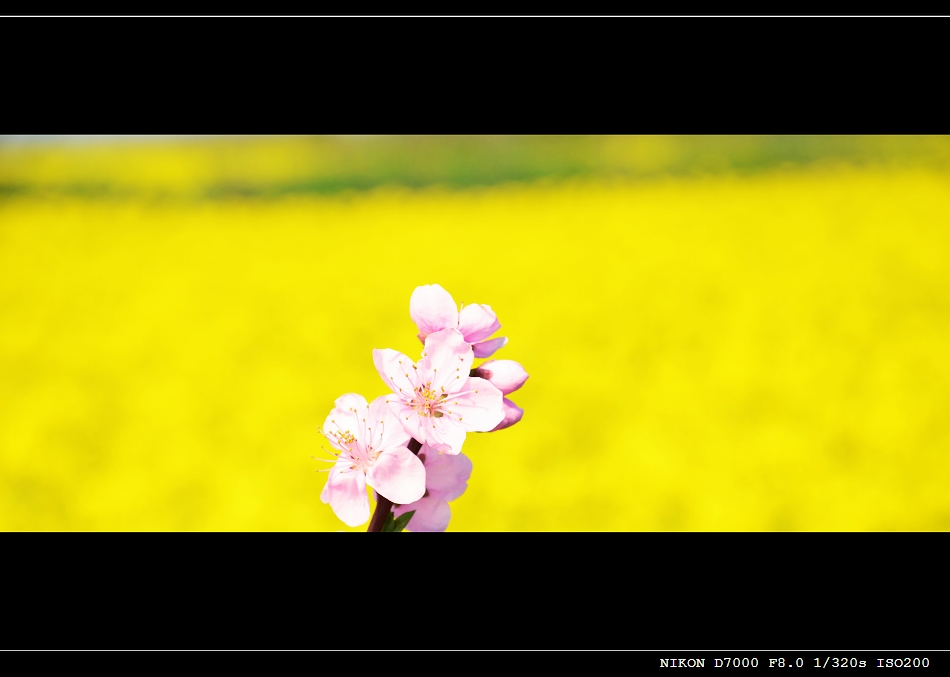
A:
[722,333]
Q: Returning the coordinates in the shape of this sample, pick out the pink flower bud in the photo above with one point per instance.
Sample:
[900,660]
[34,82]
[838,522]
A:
[506,375]
[513,414]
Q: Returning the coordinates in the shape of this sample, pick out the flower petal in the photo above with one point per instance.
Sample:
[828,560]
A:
[446,360]
[350,401]
[443,434]
[345,491]
[446,475]
[506,375]
[408,417]
[432,308]
[432,514]
[396,370]
[477,322]
[513,414]
[399,475]
[478,408]
[383,427]
[488,348]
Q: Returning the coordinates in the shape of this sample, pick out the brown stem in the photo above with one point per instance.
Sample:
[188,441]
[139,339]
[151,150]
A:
[383,505]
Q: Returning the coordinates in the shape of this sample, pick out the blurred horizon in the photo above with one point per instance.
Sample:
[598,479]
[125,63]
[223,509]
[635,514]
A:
[214,167]
[723,333]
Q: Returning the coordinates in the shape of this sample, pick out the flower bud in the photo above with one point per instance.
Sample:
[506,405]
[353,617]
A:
[513,414]
[506,375]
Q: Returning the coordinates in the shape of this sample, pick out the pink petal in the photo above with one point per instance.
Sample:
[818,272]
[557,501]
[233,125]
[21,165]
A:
[488,348]
[446,475]
[432,514]
[478,408]
[408,418]
[443,434]
[432,308]
[383,427]
[396,370]
[506,375]
[350,401]
[399,475]
[446,360]
[513,414]
[345,491]
[477,322]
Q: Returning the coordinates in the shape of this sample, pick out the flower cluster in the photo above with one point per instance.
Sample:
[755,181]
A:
[407,445]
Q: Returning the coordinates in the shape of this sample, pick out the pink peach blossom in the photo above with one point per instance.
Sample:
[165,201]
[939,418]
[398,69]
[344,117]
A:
[436,400]
[433,309]
[446,479]
[371,451]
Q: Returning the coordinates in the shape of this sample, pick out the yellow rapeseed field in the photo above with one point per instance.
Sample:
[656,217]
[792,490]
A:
[758,352]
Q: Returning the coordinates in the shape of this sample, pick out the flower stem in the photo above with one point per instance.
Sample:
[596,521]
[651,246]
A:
[383,505]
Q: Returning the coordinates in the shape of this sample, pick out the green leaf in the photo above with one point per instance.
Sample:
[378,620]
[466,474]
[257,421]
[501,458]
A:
[389,524]
[393,523]
[400,523]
